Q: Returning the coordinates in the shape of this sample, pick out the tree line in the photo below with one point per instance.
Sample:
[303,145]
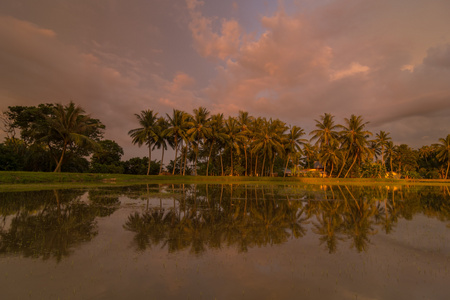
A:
[61,138]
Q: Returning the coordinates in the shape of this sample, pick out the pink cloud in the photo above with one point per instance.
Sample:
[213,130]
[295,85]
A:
[208,43]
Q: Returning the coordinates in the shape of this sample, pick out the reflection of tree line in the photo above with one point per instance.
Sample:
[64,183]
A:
[215,216]
[49,224]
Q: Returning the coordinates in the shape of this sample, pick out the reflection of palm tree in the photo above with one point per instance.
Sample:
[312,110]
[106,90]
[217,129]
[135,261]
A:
[358,222]
[329,224]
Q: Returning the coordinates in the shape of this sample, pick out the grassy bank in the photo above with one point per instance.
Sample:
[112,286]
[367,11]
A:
[39,180]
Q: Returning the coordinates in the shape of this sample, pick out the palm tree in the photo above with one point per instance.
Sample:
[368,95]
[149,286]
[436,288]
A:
[216,134]
[234,136]
[326,131]
[311,153]
[147,133]
[390,152]
[244,121]
[69,124]
[329,153]
[161,138]
[199,129]
[355,141]
[177,129]
[269,140]
[381,141]
[293,143]
[443,152]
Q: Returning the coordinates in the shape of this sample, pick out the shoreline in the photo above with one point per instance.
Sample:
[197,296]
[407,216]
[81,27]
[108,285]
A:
[26,181]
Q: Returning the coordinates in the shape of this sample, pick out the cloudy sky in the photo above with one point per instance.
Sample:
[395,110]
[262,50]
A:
[387,60]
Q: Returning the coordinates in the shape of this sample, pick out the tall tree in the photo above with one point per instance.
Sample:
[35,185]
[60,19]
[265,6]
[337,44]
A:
[161,139]
[216,136]
[234,137]
[199,130]
[355,141]
[71,126]
[177,129]
[443,152]
[244,121]
[381,140]
[146,134]
[293,143]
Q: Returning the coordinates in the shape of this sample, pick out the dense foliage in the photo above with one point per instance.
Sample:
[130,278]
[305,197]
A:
[62,138]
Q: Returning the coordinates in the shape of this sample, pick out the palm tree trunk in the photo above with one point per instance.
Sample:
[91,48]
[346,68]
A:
[231,151]
[58,167]
[245,151]
[185,159]
[175,160]
[251,163]
[196,155]
[356,156]
[256,165]
[271,166]
[264,162]
[343,164]
[287,162]
[149,158]
[221,162]
[448,167]
[162,161]
[209,157]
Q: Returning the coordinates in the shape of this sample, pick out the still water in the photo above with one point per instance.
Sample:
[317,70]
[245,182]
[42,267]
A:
[226,242]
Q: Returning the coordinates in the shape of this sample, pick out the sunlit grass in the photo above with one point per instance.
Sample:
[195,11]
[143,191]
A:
[22,181]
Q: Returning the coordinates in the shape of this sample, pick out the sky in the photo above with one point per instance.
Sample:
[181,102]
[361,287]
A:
[386,60]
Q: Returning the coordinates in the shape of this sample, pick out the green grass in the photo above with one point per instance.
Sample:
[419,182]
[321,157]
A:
[16,181]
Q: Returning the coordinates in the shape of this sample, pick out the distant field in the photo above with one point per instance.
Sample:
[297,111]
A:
[10,181]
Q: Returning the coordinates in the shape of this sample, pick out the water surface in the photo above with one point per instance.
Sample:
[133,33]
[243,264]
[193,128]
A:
[226,242]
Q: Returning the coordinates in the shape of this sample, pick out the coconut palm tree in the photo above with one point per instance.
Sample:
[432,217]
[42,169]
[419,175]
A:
[390,152]
[177,129]
[330,154]
[269,141]
[161,139]
[381,141]
[244,121]
[146,134]
[215,135]
[199,129]
[234,136]
[293,143]
[72,127]
[355,141]
[443,152]
[326,131]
